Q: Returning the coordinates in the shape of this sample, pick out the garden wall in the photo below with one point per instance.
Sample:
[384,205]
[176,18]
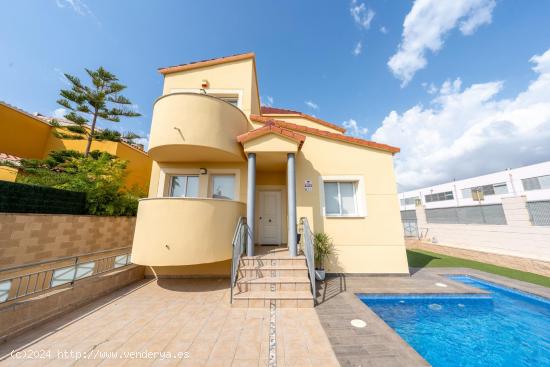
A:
[30,238]
[517,239]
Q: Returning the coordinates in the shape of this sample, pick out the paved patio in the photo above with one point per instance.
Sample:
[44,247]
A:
[189,317]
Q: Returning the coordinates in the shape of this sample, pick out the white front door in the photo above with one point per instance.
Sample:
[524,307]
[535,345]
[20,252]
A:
[269,220]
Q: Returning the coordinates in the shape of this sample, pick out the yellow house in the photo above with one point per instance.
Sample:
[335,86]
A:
[25,135]
[219,156]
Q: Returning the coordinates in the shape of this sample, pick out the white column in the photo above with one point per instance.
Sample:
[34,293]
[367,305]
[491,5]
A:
[251,203]
[291,189]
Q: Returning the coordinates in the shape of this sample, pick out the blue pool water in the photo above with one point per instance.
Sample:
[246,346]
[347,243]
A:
[504,328]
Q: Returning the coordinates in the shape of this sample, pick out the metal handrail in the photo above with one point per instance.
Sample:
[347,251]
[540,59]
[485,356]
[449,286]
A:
[34,282]
[307,239]
[239,244]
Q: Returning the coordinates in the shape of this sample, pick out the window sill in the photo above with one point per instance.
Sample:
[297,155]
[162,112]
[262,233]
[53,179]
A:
[345,216]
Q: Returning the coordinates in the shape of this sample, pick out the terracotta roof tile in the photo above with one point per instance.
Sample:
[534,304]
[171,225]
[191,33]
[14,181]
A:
[324,133]
[269,128]
[4,157]
[264,110]
[203,63]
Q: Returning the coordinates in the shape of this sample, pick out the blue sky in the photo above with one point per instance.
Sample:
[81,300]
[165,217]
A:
[305,53]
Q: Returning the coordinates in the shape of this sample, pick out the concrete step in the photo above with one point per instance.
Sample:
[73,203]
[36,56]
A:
[283,299]
[272,261]
[273,283]
[273,271]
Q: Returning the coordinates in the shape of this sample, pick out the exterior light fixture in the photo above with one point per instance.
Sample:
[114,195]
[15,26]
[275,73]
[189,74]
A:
[203,171]
[204,84]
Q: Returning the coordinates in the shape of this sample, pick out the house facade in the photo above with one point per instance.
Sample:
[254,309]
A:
[218,156]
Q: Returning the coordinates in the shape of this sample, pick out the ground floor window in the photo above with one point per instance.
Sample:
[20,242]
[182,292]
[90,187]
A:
[223,187]
[340,198]
[184,186]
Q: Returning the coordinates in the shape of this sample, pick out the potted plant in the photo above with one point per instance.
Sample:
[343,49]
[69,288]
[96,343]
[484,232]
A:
[323,248]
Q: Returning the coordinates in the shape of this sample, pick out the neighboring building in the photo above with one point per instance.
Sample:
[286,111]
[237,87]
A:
[218,154]
[511,222]
[531,181]
[29,136]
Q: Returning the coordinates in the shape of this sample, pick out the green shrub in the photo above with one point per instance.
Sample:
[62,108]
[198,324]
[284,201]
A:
[107,134]
[100,175]
[323,247]
[76,129]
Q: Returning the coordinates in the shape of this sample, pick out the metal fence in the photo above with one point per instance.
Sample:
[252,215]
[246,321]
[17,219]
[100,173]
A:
[26,280]
[539,212]
[478,214]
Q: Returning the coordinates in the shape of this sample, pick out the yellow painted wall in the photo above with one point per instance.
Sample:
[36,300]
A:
[8,173]
[216,269]
[22,135]
[170,233]
[271,143]
[28,137]
[370,244]
[233,75]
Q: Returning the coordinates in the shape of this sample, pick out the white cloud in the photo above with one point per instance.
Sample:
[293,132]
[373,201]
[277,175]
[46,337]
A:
[357,49]
[425,27]
[312,105]
[79,7]
[383,30]
[361,14]
[268,101]
[354,129]
[59,112]
[471,131]
[61,77]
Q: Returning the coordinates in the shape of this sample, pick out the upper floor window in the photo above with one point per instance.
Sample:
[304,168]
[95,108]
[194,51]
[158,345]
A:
[536,183]
[184,186]
[233,99]
[487,190]
[409,201]
[223,187]
[440,196]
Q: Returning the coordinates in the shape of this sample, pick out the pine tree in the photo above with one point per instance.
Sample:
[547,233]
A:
[101,100]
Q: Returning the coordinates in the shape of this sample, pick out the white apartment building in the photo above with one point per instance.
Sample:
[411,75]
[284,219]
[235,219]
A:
[531,181]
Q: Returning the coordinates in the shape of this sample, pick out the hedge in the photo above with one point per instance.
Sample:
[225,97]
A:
[23,198]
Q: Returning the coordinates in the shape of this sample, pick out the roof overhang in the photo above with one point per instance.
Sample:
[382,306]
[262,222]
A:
[205,63]
[271,139]
[323,133]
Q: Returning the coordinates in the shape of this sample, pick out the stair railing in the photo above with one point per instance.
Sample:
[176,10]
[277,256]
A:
[306,238]
[239,244]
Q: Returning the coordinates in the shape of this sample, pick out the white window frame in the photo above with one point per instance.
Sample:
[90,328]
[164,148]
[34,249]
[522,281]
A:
[212,92]
[163,189]
[360,197]
[211,184]
[171,180]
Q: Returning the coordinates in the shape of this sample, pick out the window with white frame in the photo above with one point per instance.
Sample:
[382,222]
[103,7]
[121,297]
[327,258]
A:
[223,187]
[184,186]
[341,198]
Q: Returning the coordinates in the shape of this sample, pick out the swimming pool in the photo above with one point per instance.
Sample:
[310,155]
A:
[502,328]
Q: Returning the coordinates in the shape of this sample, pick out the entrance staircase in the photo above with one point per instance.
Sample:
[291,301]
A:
[272,275]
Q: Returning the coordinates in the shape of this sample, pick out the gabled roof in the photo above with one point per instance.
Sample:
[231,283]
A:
[324,134]
[204,63]
[264,110]
[271,128]
[17,109]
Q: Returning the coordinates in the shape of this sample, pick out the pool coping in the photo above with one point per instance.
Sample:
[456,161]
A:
[380,345]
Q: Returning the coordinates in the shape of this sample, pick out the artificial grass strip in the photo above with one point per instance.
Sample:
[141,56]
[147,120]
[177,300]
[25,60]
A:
[423,259]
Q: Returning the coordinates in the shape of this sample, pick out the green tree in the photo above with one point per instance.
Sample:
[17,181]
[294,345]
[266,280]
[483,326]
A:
[100,175]
[101,100]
